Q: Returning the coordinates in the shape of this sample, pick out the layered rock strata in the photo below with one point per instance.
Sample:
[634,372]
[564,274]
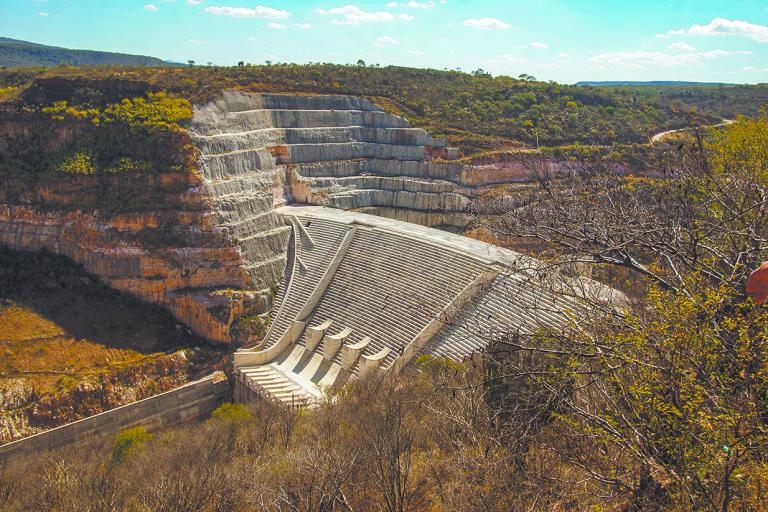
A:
[208,244]
[336,151]
[166,249]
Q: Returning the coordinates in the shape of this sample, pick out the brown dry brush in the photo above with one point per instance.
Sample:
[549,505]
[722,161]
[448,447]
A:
[426,441]
[654,405]
[688,216]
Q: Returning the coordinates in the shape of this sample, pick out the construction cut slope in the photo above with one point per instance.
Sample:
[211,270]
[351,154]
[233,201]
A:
[206,244]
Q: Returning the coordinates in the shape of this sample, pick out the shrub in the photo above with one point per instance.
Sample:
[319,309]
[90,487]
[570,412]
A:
[148,130]
[157,110]
[129,441]
[231,413]
[7,92]
[78,163]
[252,326]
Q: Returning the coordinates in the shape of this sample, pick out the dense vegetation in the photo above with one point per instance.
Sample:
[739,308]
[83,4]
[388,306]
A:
[674,390]
[721,101]
[15,53]
[426,442]
[475,111]
[137,134]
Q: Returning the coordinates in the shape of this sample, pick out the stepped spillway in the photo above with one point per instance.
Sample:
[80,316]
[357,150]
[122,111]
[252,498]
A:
[367,294]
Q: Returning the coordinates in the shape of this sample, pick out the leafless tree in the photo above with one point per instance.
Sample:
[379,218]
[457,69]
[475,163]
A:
[389,436]
[701,220]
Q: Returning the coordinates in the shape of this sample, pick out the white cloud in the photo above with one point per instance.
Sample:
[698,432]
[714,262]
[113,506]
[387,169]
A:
[487,24]
[537,44]
[416,52]
[42,13]
[276,26]
[384,41]
[197,41]
[246,12]
[504,64]
[413,5]
[640,58]
[753,69]
[511,57]
[151,7]
[726,27]
[195,2]
[353,15]
[302,26]
[681,46]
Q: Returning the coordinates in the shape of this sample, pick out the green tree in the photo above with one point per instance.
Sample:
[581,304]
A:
[231,413]
[129,441]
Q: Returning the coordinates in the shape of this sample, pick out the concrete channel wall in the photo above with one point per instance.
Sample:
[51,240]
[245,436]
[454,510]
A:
[193,401]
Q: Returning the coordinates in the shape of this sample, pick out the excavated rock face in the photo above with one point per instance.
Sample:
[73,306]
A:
[207,244]
[163,246]
[337,151]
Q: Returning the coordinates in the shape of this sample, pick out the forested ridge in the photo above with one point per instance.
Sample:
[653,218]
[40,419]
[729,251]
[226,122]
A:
[475,111]
[15,53]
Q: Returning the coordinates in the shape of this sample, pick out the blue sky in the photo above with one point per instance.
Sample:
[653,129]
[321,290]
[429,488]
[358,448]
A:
[561,40]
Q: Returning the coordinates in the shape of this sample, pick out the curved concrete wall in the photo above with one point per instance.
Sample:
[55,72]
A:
[368,294]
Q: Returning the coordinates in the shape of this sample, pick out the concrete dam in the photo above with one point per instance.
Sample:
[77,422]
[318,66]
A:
[365,294]
[316,212]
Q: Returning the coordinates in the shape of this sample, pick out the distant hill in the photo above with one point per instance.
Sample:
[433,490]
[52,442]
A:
[15,53]
[659,83]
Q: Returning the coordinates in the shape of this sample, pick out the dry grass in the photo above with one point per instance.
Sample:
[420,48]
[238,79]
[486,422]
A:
[46,357]
[60,327]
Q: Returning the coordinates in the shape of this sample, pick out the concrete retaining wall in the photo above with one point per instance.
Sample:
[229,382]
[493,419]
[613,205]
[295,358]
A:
[190,402]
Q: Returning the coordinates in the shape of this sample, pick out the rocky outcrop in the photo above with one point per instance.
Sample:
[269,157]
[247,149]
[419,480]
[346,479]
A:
[337,151]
